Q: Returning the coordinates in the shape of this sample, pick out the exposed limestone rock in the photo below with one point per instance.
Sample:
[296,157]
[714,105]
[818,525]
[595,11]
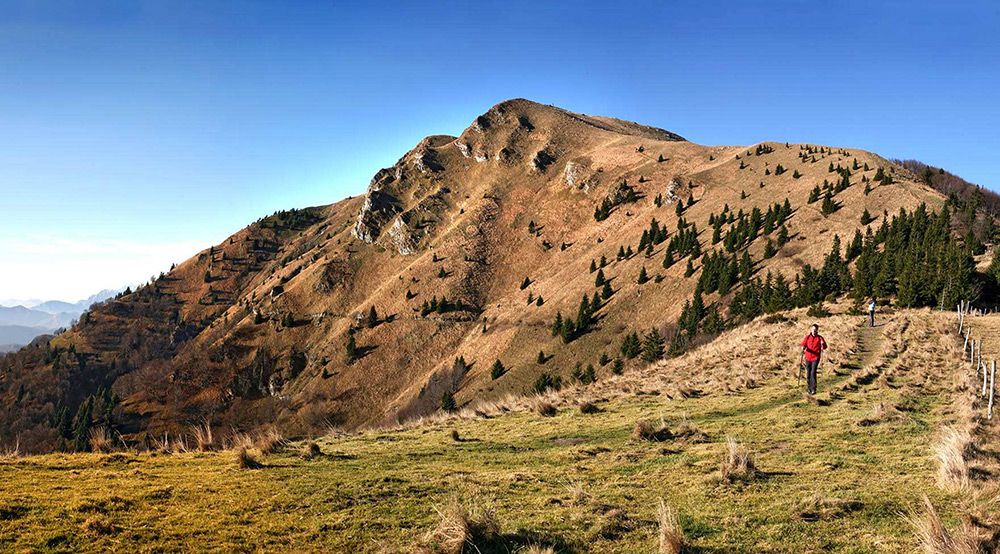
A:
[464,148]
[378,209]
[403,238]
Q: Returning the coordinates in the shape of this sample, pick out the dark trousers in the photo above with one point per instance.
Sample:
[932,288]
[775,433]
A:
[811,375]
[871,319]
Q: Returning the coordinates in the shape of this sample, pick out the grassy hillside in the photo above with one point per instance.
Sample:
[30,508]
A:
[252,332]
[837,472]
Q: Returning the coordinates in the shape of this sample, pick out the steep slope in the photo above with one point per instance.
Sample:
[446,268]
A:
[253,331]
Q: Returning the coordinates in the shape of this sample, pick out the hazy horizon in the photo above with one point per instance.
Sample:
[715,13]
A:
[141,133]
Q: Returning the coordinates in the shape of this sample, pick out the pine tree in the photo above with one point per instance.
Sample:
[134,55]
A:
[618,367]
[81,425]
[604,359]
[372,317]
[593,266]
[680,208]
[351,349]
[448,402]
[607,291]
[497,370]
[526,283]
[643,277]
[829,205]
[689,270]
[600,280]
[583,314]
[557,325]
[442,273]
[690,200]
[652,346]
[746,267]
[539,301]
[769,249]
[814,194]
[631,347]
[782,236]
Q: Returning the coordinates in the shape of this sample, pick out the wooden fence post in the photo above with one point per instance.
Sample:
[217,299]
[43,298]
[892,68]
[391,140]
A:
[984,383]
[993,374]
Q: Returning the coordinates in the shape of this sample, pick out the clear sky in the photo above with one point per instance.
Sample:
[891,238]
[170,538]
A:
[133,134]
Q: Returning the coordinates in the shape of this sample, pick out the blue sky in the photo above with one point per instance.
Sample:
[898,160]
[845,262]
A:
[134,133]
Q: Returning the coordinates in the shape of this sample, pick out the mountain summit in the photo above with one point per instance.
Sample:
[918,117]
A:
[521,252]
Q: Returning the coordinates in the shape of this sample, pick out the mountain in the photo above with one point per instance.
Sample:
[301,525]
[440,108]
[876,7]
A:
[469,248]
[20,324]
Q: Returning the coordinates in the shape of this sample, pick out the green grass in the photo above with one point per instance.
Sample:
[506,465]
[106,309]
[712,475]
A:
[379,490]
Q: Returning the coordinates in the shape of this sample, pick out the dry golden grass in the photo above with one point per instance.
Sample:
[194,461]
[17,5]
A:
[935,538]
[462,529]
[950,451]
[270,441]
[738,463]
[544,408]
[204,437]
[101,440]
[671,535]
[649,430]
[246,461]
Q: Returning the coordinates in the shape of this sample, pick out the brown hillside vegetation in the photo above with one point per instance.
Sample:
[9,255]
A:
[467,247]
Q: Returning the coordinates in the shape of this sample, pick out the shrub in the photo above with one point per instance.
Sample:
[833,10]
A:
[588,407]
[545,382]
[312,451]
[544,408]
[648,430]
[818,310]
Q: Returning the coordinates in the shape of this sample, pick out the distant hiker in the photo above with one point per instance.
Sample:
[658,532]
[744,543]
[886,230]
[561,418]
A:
[812,348]
[871,312]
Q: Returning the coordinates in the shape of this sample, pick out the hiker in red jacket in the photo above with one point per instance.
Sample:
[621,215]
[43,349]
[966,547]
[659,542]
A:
[812,348]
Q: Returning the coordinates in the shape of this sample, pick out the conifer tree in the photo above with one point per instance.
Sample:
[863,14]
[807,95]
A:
[607,291]
[351,349]
[680,208]
[631,347]
[652,346]
[782,236]
[372,317]
[643,277]
[618,367]
[526,283]
[448,402]
[497,370]
[600,280]
[689,270]
[593,266]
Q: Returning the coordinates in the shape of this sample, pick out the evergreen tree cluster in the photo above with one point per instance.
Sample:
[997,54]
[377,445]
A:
[440,306]
[97,410]
[623,194]
[683,243]
[654,235]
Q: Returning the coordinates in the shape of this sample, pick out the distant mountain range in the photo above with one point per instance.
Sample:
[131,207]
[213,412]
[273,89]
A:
[20,324]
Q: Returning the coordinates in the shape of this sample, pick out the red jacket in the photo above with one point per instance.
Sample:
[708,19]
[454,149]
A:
[814,346]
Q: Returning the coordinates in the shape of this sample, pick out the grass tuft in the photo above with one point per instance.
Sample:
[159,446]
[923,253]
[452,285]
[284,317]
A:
[544,408]
[461,529]
[648,430]
[935,538]
[245,461]
[950,451]
[738,463]
[671,535]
